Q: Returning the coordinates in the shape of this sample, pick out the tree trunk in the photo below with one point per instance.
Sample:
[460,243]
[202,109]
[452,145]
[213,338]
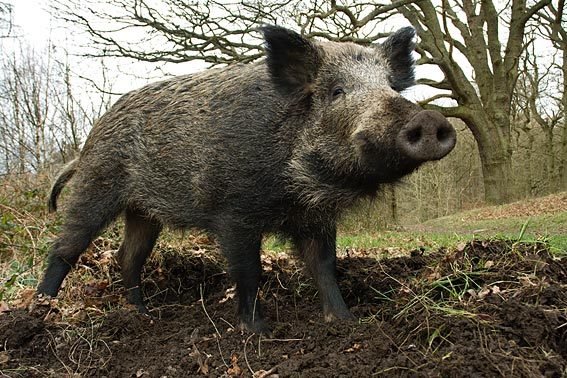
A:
[550,178]
[530,182]
[393,204]
[496,170]
[496,159]
[563,159]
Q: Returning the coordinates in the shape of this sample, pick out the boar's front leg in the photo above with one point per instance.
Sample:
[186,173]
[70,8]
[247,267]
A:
[242,250]
[320,255]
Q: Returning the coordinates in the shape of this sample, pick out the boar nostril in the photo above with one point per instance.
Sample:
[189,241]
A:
[444,133]
[414,135]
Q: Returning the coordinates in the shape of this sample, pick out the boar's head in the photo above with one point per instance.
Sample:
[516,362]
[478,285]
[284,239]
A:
[356,125]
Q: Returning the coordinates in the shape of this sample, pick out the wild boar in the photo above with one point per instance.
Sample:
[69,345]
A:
[283,145]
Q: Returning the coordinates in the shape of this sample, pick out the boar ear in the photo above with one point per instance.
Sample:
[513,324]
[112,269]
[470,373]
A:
[398,49]
[292,60]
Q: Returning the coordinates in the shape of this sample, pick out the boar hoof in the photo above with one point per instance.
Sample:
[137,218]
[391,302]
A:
[338,315]
[259,327]
[142,309]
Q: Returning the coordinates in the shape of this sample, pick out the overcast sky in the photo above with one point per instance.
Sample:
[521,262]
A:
[37,28]
[33,21]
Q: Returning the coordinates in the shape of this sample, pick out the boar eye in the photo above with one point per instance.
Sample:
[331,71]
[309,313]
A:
[337,91]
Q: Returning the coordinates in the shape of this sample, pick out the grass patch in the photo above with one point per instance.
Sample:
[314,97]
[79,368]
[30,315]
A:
[547,228]
[400,240]
[386,241]
[534,220]
[448,232]
[273,243]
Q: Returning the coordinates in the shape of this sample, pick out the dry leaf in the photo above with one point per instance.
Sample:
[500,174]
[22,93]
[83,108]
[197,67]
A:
[202,362]
[4,307]
[26,297]
[234,370]
[356,347]
[230,293]
[434,276]
[106,256]
[4,357]
[95,288]
[483,293]
[266,373]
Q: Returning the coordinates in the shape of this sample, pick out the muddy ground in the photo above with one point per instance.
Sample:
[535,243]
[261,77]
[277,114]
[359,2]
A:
[485,309]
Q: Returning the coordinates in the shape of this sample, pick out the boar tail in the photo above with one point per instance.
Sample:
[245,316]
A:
[64,175]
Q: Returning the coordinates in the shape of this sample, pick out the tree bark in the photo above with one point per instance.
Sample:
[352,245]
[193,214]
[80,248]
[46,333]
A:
[563,168]
[496,170]
[494,146]
[530,181]
[393,204]
[563,162]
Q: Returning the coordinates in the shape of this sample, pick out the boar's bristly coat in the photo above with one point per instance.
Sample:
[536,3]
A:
[282,145]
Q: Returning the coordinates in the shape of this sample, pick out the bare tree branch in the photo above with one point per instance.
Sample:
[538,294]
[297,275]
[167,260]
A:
[216,32]
[6,23]
[444,85]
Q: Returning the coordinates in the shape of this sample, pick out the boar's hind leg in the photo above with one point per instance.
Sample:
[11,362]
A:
[87,214]
[242,250]
[319,254]
[140,236]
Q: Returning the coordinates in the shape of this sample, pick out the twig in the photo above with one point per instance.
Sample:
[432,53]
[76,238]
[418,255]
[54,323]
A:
[283,340]
[246,356]
[54,351]
[206,313]
[266,373]
[220,352]
[254,308]
[227,322]
[280,282]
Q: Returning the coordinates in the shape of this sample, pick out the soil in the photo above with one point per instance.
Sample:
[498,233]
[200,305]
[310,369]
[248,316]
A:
[485,309]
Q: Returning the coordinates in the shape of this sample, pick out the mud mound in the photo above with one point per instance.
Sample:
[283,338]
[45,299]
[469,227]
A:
[485,309]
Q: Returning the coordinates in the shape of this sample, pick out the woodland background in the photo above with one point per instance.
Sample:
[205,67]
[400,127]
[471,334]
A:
[497,68]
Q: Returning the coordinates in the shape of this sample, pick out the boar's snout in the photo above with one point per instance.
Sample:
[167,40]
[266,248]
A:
[427,136]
